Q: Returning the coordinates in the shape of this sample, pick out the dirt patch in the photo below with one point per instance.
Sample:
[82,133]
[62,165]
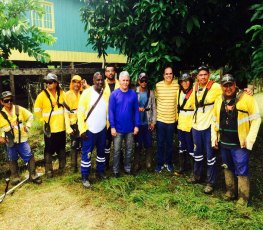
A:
[53,205]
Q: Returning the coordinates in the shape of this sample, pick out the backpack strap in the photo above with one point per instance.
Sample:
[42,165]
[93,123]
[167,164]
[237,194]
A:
[199,104]
[52,107]
[18,122]
[181,107]
[68,108]
[58,92]
[6,118]
[94,105]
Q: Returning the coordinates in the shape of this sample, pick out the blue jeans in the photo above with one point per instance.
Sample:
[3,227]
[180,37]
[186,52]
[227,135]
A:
[94,139]
[202,142]
[19,149]
[236,160]
[117,141]
[165,134]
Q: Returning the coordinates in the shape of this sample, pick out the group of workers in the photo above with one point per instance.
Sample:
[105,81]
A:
[209,116]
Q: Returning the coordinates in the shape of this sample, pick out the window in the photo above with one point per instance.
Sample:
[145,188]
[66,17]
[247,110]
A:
[44,22]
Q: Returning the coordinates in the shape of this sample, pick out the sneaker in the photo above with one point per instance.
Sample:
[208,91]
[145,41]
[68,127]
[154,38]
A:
[159,168]
[208,189]
[170,168]
[86,184]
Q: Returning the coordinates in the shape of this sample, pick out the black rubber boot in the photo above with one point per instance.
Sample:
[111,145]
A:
[136,160]
[48,165]
[32,171]
[62,161]
[74,160]
[107,159]
[149,159]
[15,179]
[181,162]
[230,185]
[243,191]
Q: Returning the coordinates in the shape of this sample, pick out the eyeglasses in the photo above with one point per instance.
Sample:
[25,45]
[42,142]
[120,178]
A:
[142,81]
[8,100]
[50,82]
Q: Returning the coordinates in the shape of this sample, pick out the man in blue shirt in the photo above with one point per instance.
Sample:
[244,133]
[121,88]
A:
[124,121]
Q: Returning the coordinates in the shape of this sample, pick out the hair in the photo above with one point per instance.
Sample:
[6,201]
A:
[124,74]
[166,67]
[96,74]
[110,65]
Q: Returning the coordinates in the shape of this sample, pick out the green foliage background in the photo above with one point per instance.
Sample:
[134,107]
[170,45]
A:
[17,33]
[183,33]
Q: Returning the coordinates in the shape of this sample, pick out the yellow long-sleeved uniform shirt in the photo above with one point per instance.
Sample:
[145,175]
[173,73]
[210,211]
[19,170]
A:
[203,117]
[107,88]
[185,117]
[248,120]
[71,118]
[42,109]
[166,100]
[25,120]
[85,105]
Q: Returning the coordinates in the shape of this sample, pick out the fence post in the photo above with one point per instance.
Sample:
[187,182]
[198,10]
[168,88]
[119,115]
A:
[12,84]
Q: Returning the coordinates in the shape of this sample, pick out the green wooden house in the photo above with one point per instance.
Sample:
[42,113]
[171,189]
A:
[62,19]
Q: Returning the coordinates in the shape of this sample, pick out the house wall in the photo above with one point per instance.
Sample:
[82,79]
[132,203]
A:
[71,37]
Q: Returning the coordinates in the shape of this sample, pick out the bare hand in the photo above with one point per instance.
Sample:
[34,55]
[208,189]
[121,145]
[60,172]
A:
[216,145]
[244,144]
[2,140]
[113,132]
[85,85]
[249,91]
[141,109]
[136,130]
[151,126]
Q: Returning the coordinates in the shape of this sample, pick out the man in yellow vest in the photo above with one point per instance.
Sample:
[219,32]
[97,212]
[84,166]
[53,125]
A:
[71,108]
[236,123]
[50,110]
[15,123]
[205,94]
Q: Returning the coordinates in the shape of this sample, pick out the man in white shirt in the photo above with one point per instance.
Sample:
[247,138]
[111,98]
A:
[92,119]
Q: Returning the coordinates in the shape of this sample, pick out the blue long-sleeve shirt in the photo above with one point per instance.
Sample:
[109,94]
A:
[124,111]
